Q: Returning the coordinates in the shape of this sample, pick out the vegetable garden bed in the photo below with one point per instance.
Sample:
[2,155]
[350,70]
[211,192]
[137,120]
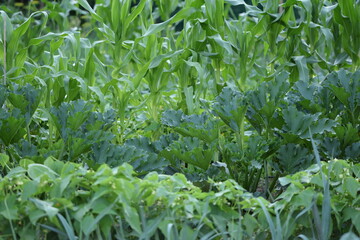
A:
[194,119]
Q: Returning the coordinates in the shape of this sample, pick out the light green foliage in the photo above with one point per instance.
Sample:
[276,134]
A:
[67,199]
[302,194]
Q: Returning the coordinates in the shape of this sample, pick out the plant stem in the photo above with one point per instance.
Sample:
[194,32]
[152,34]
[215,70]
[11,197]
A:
[217,75]
[28,132]
[254,186]
[273,184]
[266,177]
[281,8]
[247,177]
[11,225]
[4,19]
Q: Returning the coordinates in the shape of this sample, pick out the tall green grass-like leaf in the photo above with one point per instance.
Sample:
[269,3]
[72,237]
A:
[68,228]
[5,33]
[347,15]
[182,14]
[275,227]
[86,5]
[322,223]
[13,46]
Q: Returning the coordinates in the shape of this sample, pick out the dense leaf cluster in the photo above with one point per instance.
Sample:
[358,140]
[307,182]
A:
[108,109]
[59,200]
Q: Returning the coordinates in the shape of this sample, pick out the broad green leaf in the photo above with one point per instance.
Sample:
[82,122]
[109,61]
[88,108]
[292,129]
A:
[9,26]
[299,123]
[54,164]
[46,206]
[87,224]
[347,135]
[26,149]
[36,171]
[231,107]
[349,236]
[264,101]
[9,207]
[306,90]
[172,118]
[354,215]
[12,128]
[352,186]
[132,217]
[68,228]
[16,172]
[303,198]
[30,189]
[250,223]
[331,147]
[352,151]
[26,98]
[199,126]
[293,158]
[4,160]
[152,225]
[190,150]
[303,69]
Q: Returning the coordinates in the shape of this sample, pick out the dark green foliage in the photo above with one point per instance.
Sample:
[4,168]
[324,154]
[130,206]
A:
[201,126]
[12,127]
[231,107]
[293,157]
[264,103]
[190,150]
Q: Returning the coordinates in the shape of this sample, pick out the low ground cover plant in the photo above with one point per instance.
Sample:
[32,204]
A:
[197,119]
[67,201]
